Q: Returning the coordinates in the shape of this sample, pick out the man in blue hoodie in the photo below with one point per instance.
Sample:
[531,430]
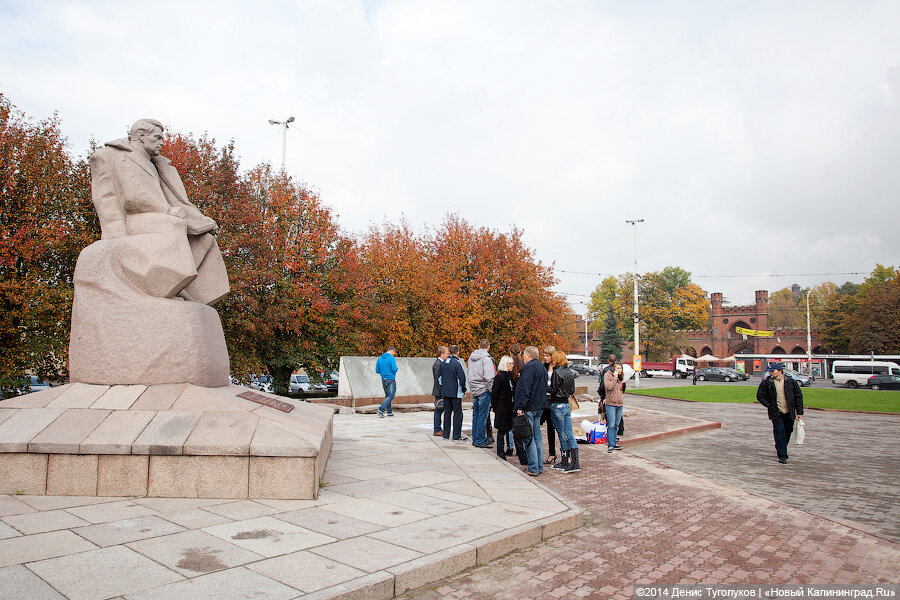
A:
[530,399]
[386,366]
[453,388]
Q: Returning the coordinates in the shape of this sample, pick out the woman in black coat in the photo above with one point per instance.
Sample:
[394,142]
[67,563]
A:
[502,403]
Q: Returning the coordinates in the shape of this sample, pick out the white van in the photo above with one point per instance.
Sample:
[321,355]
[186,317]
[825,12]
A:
[856,373]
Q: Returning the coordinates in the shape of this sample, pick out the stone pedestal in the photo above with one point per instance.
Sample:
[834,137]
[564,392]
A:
[169,440]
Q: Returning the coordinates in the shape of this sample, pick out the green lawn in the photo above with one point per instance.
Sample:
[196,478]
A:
[883,401]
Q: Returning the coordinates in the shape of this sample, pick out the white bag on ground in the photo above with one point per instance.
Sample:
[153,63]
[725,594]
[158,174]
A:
[801,432]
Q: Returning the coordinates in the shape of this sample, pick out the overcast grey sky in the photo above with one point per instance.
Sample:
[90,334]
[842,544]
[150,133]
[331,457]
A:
[755,138]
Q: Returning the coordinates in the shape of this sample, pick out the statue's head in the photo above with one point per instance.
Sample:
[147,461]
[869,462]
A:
[147,133]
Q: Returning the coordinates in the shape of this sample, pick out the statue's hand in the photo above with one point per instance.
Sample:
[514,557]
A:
[176,211]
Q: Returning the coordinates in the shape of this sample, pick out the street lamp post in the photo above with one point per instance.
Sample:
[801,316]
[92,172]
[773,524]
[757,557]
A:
[808,338]
[637,319]
[284,127]
[585,332]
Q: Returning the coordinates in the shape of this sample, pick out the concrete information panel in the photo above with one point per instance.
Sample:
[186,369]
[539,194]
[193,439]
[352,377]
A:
[358,378]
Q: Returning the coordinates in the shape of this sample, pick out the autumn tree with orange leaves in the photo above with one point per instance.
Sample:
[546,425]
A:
[46,218]
[458,284]
[294,279]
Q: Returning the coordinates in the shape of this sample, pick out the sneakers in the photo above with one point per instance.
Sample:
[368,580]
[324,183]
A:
[461,439]
[380,413]
[609,450]
[390,414]
[618,447]
[485,445]
[782,460]
[438,432]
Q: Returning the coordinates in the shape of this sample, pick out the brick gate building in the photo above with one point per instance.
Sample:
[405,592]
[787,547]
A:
[722,339]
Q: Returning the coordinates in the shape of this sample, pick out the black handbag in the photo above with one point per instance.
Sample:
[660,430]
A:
[521,427]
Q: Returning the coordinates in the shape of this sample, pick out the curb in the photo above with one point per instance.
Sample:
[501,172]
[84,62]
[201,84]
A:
[838,410]
[673,433]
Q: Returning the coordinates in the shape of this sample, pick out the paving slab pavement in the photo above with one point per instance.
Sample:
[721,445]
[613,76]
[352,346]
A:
[398,508]
[463,523]
[846,470]
[648,524]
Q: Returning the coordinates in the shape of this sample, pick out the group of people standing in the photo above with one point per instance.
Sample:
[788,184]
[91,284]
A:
[520,386]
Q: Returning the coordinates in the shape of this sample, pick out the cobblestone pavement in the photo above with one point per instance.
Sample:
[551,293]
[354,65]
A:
[650,524]
[846,469]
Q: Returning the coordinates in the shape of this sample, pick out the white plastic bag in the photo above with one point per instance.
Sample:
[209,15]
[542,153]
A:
[801,432]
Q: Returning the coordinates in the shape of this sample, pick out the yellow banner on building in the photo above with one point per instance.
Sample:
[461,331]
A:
[754,332]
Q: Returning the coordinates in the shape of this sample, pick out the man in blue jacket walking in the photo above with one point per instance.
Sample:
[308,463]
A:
[530,400]
[386,366]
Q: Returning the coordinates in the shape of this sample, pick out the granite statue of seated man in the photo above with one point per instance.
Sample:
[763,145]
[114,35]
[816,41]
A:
[139,196]
[143,293]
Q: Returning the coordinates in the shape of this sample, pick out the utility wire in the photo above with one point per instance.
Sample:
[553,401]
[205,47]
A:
[729,276]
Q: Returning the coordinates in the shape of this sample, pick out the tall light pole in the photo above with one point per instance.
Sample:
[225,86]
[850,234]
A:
[284,127]
[637,319]
[808,338]
[586,331]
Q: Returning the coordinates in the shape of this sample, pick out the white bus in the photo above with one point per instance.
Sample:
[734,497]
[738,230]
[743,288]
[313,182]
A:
[856,373]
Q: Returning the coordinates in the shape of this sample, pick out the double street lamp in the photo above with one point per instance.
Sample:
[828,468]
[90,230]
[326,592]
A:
[284,127]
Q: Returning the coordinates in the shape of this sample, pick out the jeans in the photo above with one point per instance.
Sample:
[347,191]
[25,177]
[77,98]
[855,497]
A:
[438,415]
[561,414]
[613,416]
[534,446]
[453,407]
[481,406]
[390,390]
[782,430]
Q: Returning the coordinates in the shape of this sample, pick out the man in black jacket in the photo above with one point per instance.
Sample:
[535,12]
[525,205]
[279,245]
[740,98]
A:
[442,354]
[783,398]
[530,400]
[453,388]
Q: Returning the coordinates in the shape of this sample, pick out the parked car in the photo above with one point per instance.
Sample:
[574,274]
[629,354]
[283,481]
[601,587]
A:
[301,385]
[738,376]
[884,382]
[331,381]
[803,380]
[580,369]
[263,383]
[715,374]
[36,384]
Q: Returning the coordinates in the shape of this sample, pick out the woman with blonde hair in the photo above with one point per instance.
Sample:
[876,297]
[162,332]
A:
[502,403]
[562,385]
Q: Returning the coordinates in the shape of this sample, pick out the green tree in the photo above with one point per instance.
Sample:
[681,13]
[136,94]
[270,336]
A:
[785,310]
[668,302]
[611,338]
[872,327]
